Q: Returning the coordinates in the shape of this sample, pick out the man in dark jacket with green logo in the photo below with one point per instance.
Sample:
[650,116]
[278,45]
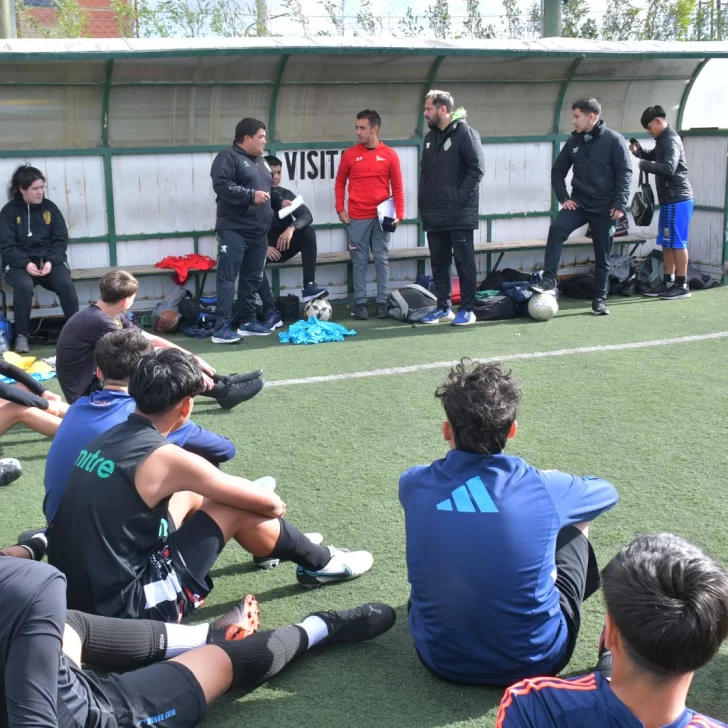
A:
[242,182]
[599,195]
[675,195]
[450,173]
[33,241]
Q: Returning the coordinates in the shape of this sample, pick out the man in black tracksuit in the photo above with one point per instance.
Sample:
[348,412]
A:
[599,195]
[287,237]
[33,241]
[242,182]
[450,173]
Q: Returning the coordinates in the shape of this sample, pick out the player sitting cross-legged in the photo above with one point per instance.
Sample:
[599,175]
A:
[667,615]
[42,648]
[497,551]
[117,355]
[108,536]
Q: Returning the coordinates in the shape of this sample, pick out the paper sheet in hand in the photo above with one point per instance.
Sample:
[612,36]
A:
[386,209]
[297,202]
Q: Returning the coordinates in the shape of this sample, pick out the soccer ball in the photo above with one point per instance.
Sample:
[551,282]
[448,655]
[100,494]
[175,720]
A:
[543,307]
[319,308]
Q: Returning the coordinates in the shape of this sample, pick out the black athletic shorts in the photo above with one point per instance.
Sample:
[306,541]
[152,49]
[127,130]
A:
[577,578]
[177,578]
[164,695]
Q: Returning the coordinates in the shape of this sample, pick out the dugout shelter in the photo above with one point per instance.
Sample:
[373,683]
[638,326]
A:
[125,132]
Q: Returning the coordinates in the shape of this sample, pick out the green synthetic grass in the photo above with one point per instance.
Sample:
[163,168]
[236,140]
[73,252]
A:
[650,420]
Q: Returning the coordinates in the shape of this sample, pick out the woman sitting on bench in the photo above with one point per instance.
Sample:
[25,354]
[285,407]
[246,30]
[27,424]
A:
[33,240]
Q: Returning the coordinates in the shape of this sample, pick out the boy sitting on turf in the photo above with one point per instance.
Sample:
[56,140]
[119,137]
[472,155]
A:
[116,355]
[497,551]
[667,614]
[109,534]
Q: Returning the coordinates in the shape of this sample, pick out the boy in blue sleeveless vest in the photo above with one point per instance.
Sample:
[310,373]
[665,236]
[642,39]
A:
[497,551]
[667,614]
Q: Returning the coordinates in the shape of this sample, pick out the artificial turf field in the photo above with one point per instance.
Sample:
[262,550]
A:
[650,419]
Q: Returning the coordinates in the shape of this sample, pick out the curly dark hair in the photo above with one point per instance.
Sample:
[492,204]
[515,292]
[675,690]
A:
[481,403]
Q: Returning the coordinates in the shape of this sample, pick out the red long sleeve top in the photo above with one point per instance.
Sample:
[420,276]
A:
[373,175]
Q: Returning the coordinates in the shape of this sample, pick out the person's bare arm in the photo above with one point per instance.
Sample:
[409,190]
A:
[159,343]
[170,469]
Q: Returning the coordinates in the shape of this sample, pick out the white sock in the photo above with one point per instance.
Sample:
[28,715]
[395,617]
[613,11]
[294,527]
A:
[316,629]
[182,638]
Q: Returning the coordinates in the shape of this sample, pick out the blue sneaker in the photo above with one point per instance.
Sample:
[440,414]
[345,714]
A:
[253,328]
[464,318]
[225,335]
[311,292]
[438,315]
[273,320]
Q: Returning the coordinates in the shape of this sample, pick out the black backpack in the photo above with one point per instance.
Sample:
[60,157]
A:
[494,308]
[194,312]
[643,202]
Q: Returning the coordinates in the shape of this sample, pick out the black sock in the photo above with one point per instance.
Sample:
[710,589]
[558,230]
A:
[261,656]
[681,281]
[294,546]
[668,278]
[118,643]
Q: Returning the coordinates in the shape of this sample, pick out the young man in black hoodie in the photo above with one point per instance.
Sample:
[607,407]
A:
[675,195]
[242,182]
[33,241]
[450,173]
[288,236]
[599,195]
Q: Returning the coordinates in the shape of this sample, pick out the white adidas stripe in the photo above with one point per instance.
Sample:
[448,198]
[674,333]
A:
[506,357]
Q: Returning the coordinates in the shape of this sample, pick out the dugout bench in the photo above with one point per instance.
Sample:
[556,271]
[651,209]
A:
[395,254]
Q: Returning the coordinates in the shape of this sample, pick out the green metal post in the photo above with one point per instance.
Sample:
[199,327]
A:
[108,181]
[274,102]
[551,23]
[686,94]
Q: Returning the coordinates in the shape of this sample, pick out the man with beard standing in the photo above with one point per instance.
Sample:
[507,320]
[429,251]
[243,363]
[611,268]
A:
[450,173]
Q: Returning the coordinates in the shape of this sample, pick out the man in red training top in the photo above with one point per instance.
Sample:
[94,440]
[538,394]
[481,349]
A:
[373,172]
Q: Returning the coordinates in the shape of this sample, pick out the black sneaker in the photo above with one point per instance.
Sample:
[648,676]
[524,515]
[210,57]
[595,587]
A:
[235,394]
[35,541]
[654,292]
[599,308]
[358,624]
[10,470]
[546,285]
[241,378]
[604,664]
[360,312]
[382,311]
[675,292]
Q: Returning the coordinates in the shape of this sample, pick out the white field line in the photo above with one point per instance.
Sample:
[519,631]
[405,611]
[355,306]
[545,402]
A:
[506,357]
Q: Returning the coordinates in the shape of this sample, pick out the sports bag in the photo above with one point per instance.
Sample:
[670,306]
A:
[198,312]
[643,202]
[495,307]
[411,303]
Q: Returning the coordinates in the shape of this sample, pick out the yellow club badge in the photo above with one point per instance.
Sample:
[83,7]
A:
[47,217]
[447,144]
[18,220]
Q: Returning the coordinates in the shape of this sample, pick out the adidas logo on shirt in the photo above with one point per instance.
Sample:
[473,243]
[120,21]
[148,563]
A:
[469,498]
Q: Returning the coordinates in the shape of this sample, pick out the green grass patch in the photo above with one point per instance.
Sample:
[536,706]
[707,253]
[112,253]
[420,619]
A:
[650,420]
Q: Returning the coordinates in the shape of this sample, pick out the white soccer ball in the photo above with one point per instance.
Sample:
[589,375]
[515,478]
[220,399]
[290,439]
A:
[319,308]
[543,307]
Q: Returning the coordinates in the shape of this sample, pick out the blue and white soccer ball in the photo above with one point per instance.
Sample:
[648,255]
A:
[543,307]
[319,307]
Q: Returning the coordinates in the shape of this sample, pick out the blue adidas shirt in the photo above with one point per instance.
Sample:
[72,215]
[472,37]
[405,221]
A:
[481,540]
[89,416]
[548,702]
